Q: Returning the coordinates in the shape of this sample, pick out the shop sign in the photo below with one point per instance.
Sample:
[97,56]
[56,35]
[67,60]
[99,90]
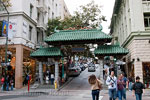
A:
[25,27]
[78,49]
[12,29]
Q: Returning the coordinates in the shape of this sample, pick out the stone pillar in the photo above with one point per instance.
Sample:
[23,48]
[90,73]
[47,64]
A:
[138,70]
[57,73]
[41,73]
[101,63]
[19,67]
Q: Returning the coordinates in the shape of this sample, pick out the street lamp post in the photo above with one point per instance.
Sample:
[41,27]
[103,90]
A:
[6,45]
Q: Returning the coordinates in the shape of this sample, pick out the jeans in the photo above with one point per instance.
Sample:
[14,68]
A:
[12,87]
[95,93]
[138,96]
[112,94]
[130,85]
[2,88]
[52,81]
[124,93]
[120,94]
[7,87]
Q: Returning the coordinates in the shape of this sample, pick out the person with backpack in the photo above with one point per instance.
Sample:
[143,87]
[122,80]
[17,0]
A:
[138,89]
[96,86]
[120,87]
[112,85]
[2,83]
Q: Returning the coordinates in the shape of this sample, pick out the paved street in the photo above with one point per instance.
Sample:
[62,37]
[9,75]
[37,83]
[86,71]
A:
[77,89]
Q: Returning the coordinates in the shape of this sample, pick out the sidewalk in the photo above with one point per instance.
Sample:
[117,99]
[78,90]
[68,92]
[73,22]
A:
[146,96]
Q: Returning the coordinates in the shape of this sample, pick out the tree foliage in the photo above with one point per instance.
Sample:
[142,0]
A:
[6,3]
[88,16]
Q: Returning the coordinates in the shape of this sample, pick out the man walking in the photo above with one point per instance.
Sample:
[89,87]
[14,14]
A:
[138,88]
[112,85]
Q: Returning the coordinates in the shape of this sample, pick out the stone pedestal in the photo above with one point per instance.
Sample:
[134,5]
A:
[19,67]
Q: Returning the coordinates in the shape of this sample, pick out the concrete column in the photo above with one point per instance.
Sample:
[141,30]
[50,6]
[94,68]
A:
[57,73]
[138,70]
[101,63]
[41,73]
[19,67]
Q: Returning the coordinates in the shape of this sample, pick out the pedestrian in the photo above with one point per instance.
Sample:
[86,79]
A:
[47,79]
[7,83]
[12,83]
[125,80]
[138,89]
[96,86]
[120,87]
[130,83]
[52,79]
[112,85]
[2,83]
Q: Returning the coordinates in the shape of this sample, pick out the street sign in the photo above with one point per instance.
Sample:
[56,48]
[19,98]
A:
[78,49]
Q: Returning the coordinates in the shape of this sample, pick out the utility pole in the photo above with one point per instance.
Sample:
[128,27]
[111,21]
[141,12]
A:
[6,45]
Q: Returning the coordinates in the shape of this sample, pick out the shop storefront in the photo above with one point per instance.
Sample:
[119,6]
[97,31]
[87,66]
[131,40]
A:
[20,64]
[146,74]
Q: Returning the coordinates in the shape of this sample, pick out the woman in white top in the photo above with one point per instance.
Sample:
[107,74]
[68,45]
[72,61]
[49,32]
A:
[96,86]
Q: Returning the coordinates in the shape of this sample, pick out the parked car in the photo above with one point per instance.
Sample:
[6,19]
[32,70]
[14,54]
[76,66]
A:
[74,71]
[91,68]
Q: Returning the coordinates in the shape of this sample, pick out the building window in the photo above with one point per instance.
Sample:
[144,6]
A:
[147,19]
[30,32]
[31,10]
[145,0]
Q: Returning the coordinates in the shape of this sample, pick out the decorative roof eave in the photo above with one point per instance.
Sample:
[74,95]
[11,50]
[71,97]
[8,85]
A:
[78,37]
[110,50]
[50,52]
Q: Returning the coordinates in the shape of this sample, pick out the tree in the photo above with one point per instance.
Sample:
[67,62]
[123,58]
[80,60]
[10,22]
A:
[90,15]
[52,24]
[7,3]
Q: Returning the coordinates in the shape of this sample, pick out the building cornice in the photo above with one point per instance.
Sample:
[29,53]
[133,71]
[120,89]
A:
[20,13]
[138,35]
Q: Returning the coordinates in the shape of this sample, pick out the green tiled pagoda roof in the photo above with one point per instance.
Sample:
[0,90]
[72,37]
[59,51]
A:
[110,50]
[46,52]
[77,35]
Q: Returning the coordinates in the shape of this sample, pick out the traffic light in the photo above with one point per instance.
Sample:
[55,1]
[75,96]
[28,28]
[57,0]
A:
[9,57]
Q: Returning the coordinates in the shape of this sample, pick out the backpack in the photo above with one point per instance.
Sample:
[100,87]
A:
[2,80]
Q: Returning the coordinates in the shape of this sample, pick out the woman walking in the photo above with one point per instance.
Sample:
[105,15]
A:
[96,86]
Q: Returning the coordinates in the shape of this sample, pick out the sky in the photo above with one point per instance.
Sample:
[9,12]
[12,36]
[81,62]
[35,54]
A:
[106,10]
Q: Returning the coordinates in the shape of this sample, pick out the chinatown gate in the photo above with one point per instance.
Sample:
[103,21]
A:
[63,38]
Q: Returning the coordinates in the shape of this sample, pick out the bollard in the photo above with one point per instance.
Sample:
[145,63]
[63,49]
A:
[55,84]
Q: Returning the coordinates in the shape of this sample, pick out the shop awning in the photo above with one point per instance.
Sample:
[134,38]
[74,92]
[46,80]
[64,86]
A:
[78,37]
[47,52]
[110,50]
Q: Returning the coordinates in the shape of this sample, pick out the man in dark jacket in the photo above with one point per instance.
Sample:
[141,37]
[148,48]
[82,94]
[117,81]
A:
[138,88]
